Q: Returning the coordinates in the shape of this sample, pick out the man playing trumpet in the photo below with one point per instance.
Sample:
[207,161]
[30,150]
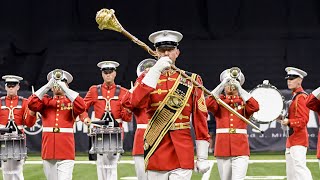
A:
[170,100]
[232,146]
[58,116]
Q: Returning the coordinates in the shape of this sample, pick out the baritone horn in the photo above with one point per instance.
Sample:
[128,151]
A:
[145,64]
[106,19]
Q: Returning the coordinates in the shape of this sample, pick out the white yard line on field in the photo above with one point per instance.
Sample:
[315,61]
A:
[211,161]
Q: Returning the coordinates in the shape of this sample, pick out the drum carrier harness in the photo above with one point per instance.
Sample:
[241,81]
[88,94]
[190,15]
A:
[107,116]
[11,123]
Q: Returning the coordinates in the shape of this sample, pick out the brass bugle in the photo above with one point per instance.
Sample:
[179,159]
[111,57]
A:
[106,19]
[57,74]
[234,72]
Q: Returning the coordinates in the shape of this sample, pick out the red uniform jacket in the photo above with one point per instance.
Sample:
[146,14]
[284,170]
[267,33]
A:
[314,104]
[21,114]
[60,112]
[141,119]
[176,149]
[119,113]
[231,144]
[298,120]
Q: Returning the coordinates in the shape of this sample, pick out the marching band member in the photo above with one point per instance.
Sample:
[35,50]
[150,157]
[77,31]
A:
[58,116]
[313,103]
[297,119]
[105,98]
[142,122]
[232,147]
[14,114]
[170,100]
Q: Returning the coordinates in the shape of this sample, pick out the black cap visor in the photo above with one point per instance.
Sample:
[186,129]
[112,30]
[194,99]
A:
[291,76]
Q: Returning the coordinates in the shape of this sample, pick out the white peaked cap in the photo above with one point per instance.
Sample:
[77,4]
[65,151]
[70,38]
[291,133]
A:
[65,75]
[108,65]
[166,36]
[226,73]
[12,78]
[295,71]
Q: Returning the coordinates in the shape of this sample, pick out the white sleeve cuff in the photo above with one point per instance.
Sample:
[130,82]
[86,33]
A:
[202,148]
[316,93]
[245,95]
[151,78]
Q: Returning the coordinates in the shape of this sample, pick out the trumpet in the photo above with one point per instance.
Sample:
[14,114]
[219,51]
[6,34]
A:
[234,73]
[57,75]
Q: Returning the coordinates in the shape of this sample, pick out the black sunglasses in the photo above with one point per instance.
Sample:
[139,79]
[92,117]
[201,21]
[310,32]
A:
[11,85]
[108,71]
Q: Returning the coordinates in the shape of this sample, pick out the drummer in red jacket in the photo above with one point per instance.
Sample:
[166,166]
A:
[142,122]
[313,103]
[297,120]
[58,116]
[14,114]
[232,146]
[105,98]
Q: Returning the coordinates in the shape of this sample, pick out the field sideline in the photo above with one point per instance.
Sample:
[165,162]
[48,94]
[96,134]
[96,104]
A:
[274,167]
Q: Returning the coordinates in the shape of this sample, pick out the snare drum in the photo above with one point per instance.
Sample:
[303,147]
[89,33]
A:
[13,146]
[106,140]
[271,103]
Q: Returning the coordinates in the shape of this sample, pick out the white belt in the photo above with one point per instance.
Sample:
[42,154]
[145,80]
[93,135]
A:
[231,131]
[142,126]
[57,130]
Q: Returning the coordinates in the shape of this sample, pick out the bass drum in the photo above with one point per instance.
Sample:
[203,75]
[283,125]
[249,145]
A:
[271,103]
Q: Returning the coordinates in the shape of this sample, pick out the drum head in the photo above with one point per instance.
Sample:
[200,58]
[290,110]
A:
[271,104]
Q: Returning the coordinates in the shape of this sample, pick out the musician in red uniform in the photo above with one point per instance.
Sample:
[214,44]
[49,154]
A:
[168,145]
[142,122]
[105,98]
[58,116]
[313,103]
[14,114]
[297,119]
[232,147]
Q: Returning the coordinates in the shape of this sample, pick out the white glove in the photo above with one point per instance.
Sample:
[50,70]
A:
[316,93]
[218,90]
[72,95]
[202,165]
[152,76]
[44,89]
[243,93]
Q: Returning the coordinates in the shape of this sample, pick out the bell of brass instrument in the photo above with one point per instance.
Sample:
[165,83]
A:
[143,65]
[57,74]
[234,73]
